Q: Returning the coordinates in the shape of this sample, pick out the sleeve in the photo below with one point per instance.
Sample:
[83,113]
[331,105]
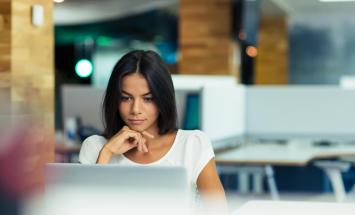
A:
[90,149]
[204,152]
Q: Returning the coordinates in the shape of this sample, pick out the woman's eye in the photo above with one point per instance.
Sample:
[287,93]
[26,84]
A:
[148,99]
[125,98]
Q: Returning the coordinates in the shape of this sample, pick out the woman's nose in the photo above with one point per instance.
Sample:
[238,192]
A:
[136,108]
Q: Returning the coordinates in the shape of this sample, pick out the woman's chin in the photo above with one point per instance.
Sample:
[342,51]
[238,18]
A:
[138,128]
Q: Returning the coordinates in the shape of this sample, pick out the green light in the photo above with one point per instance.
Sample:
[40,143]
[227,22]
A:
[104,41]
[83,68]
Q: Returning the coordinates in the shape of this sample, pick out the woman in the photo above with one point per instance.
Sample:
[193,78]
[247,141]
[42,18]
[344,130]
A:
[140,125]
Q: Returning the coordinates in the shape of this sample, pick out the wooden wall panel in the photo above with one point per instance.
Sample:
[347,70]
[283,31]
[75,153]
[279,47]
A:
[205,40]
[5,36]
[272,60]
[27,73]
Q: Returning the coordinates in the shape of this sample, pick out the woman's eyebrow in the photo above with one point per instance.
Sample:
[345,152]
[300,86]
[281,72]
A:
[145,94]
[124,92]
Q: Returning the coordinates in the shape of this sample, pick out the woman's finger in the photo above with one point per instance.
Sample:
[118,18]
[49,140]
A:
[135,142]
[130,136]
[147,134]
[145,145]
[145,148]
[137,138]
[126,128]
[141,142]
[140,147]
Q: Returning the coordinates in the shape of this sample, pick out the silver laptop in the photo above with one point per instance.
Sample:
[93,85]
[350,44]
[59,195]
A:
[111,189]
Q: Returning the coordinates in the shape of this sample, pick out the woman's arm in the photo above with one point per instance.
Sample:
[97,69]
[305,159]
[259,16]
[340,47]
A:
[105,156]
[211,188]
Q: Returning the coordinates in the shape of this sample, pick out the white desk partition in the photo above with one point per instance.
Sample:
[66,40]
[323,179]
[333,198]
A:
[223,113]
[278,112]
[300,112]
[84,102]
[187,84]
[197,82]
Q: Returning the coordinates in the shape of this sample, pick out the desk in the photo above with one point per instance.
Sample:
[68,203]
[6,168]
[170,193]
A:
[67,151]
[294,208]
[267,155]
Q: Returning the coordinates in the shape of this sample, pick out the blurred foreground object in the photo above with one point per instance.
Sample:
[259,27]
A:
[22,155]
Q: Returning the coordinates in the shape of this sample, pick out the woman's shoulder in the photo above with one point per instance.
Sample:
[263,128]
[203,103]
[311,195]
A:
[90,149]
[94,139]
[196,150]
[193,133]
[194,136]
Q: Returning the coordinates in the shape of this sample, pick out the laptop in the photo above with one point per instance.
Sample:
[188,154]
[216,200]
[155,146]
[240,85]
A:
[110,189]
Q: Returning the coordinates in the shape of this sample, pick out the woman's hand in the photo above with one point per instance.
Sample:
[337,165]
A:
[125,140]
[122,142]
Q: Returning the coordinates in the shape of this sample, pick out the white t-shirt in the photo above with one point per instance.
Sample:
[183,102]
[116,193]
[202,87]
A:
[191,149]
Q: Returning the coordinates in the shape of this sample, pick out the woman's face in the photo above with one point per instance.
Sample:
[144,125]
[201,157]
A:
[137,107]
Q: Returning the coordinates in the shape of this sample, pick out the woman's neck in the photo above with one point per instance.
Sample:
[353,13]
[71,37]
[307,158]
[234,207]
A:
[161,140]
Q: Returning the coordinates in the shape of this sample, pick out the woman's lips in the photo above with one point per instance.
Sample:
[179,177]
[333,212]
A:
[136,121]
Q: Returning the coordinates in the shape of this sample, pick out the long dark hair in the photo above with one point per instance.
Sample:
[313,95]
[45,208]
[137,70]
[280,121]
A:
[150,65]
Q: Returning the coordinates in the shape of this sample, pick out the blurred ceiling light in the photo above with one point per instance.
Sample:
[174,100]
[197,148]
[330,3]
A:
[58,1]
[336,0]
[84,68]
[252,51]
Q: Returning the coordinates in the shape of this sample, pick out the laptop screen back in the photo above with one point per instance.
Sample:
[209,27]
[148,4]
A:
[104,189]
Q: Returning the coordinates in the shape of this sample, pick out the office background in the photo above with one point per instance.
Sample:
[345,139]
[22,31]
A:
[250,43]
